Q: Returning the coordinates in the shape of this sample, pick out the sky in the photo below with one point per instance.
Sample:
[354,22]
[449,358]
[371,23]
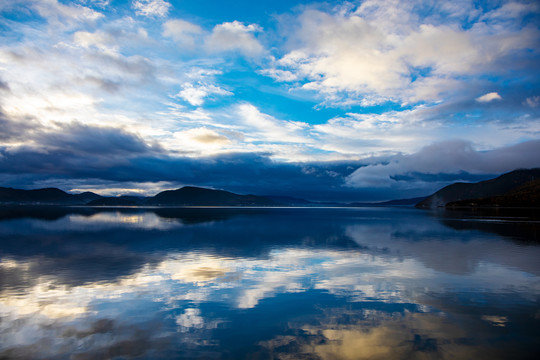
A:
[330,101]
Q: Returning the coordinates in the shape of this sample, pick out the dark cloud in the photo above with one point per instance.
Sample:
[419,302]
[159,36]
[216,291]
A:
[23,129]
[74,154]
[119,157]
[134,67]
[4,86]
[445,162]
[79,138]
[244,173]
[104,84]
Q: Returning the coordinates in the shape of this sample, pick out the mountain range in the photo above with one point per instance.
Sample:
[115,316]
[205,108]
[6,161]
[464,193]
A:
[45,196]
[519,188]
[185,196]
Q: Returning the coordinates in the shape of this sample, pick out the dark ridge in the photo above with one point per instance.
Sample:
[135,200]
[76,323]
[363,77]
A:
[47,196]
[195,196]
[288,200]
[117,201]
[484,189]
[87,196]
[527,195]
[398,202]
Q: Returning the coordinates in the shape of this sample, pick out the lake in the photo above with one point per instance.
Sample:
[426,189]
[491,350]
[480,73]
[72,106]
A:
[290,283]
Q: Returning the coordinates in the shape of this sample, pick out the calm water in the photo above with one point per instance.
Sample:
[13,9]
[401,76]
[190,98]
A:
[268,284]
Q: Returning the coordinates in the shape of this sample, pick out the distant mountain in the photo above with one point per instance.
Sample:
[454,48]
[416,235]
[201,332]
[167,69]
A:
[48,196]
[195,196]
[289,201]
[399,202]
[527,195]
[118,201]
[502,185]
[87,196]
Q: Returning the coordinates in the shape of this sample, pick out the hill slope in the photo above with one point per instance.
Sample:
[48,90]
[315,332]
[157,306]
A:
[194,196]
[527,195]
[118,201]
[499,186]
[49,196]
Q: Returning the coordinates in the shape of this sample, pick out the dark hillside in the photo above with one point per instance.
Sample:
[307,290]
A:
[484,189]
[527,195]
[38,196]
[195,196]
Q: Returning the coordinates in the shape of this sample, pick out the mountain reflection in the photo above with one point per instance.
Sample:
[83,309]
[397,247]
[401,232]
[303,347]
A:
[313,283]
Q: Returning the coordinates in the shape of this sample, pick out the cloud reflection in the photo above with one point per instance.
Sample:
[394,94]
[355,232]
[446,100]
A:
[378,335]
[242,283]
[390,292]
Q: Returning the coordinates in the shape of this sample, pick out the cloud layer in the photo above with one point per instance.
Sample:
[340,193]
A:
[385,87]
[443,161]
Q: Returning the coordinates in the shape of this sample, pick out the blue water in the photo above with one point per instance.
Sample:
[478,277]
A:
[357,283]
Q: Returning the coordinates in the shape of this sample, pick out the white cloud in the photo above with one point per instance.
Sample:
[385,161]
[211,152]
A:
[82,66]
[235,36]
[158,8]
[202,141]
[533,101]
[182,31]
[387,51]
[196,94]
[489,97]
[447,157]
[386,268]
[360,134]
[100,40]
[65,15]
[101,3]
[263,127]
[279,75]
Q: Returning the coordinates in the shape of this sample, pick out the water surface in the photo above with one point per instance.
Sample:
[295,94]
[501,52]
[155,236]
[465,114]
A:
[358,283]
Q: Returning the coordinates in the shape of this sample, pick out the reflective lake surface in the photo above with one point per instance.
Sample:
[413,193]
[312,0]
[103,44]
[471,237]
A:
[357,283]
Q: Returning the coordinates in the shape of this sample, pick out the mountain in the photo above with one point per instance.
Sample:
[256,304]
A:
[527,195]
[399,202]
[47,196]
[499,186]
[118,201]
[289,201]
[39,196]
[195,196]
[87,196]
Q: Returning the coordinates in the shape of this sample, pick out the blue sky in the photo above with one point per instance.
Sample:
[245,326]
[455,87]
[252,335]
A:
[344,100]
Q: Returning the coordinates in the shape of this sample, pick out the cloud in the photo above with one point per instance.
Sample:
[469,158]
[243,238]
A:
[196,94]
[202,141]
[17,131]
[100,40]
[65,15]
[93,140]
[99,3]
[388,51]
[151,8]
[142,163]
[533,101]
[446,161]
[492,96]
[182,32]
[30,147]
[279,75]
[235,36]
[67,67]
[263,127]
[4,86]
